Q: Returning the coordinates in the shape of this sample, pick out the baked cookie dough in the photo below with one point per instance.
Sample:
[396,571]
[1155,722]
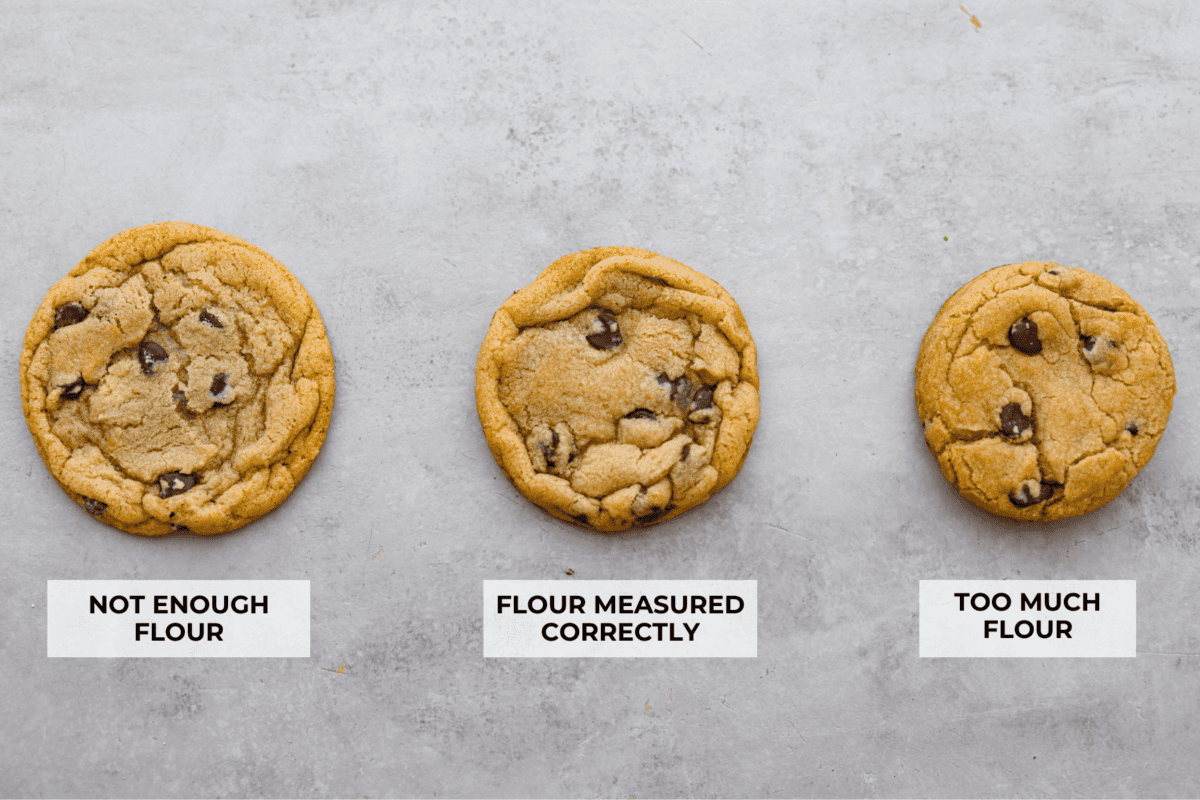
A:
[1043,390]
[619,389]
[177,380]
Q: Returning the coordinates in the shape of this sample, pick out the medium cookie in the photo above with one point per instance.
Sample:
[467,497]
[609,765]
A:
[178,379]
[1043,390]
[618,389]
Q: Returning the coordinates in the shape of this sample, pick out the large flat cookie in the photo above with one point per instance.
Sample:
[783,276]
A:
[178,379]
[1043,390]
[618,389]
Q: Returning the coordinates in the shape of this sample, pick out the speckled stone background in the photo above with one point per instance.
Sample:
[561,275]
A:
[841,168]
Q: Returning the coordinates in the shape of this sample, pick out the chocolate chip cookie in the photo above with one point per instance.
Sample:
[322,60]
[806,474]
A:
[177,380]
[619,389]
[1043,390]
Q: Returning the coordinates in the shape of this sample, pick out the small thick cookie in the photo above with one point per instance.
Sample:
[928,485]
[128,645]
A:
[618,389]
[1043,390]
[178,379]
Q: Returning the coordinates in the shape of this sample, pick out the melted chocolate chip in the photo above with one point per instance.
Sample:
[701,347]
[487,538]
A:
[180,398]
[683,454]
[551,450]
[1013,422]
[702,398]
[149,354]
[209,318]
[1025,498]
[94,507]
[1023,335]
[1088,342]
[687,395]
[1133,428]
[681,388]
[218,384]
[70,314]
[173,483]
[580,518]
[641,413]
[654,516]
[610,337]
[72,391]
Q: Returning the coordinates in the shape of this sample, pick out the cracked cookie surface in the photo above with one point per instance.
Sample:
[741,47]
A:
[619,389]
[1043,390]
[178,379]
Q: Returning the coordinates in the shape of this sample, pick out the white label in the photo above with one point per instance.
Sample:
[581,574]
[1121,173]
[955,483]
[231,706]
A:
[620,619]
[1028,619]
[177,619]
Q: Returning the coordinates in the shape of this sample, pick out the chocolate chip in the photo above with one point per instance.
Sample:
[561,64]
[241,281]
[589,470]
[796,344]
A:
[173,483]
[210,319]
[1053,272]
[641,413]
[180,398]
[1133,428]
[94,507]
[681,388]
[72,391]
[149,354]
[1023,335]
[70,314]
[580,518]
[551,450]
[683,454]
[654,516]
[687,395]
[702,398]
[1088,342]
[1013,422]
[610,337]
[1025,498]
[218,384]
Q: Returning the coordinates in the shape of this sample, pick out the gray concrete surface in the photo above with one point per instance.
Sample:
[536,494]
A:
[841,168]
